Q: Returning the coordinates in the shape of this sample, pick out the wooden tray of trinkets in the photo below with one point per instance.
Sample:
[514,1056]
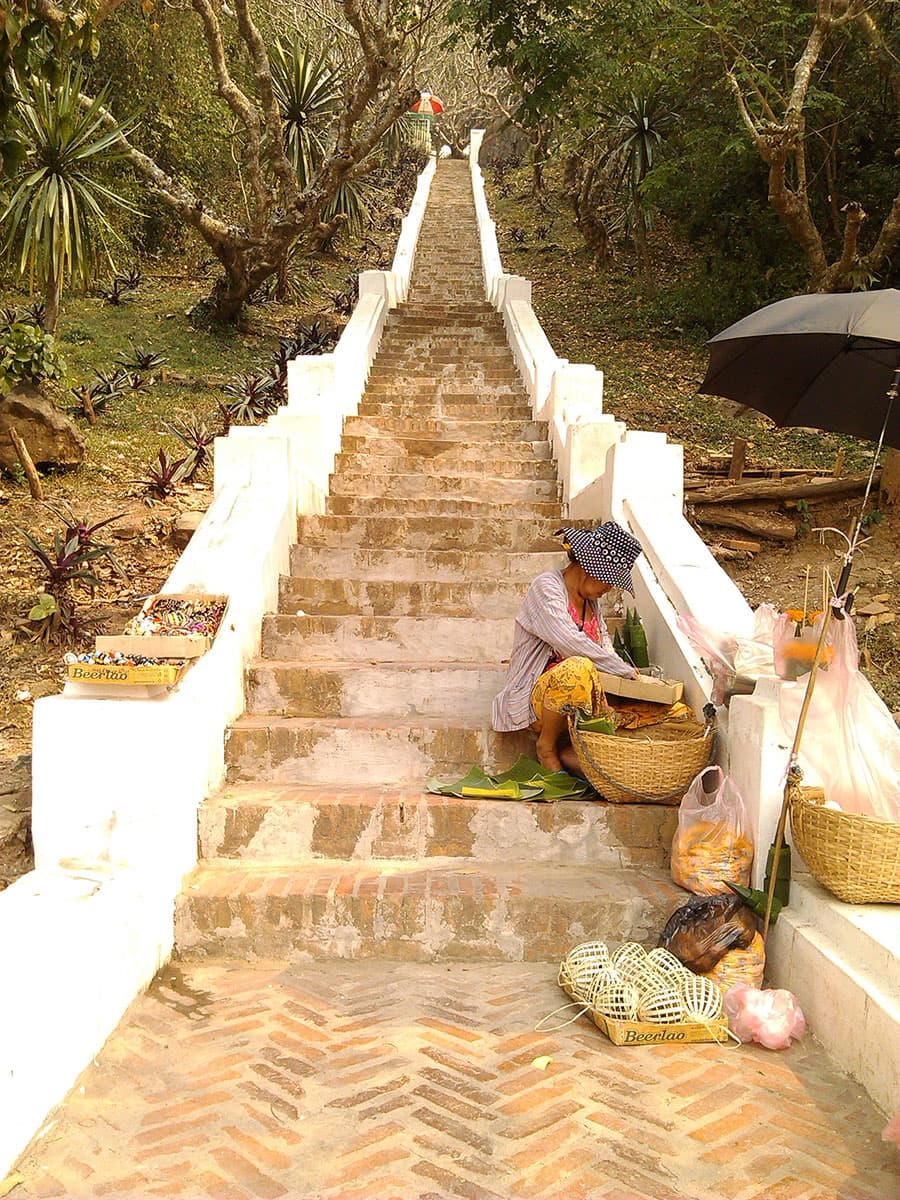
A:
[174,644]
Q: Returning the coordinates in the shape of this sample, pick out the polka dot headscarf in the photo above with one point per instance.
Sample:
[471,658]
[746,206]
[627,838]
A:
[607,553]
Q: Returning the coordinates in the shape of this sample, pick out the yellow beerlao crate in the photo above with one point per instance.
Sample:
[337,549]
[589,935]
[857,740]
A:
[125,674]
[643,1033]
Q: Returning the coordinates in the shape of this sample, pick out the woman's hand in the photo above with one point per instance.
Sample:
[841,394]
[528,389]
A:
[636,674]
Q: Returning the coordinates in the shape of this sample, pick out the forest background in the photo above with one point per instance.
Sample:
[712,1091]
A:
[189,189]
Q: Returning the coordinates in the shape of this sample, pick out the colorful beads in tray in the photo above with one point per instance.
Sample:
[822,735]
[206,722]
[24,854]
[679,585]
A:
[100,658]
[170,616]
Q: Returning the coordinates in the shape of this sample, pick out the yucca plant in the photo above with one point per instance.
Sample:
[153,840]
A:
[142,360]
[636,132]
[308,94]
[162,475]
[195,434]
[56,221]
[250,399]
[66,563]
[116,291]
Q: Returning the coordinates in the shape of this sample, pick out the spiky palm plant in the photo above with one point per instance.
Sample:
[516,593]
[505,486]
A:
[56,219]
[308,95]
[636,131]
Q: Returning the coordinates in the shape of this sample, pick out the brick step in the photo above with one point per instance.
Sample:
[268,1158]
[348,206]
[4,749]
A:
[377,455]
[262,822]
[420,566]
[522,534]
[446,909]
[466,383]
[417,354]
[437,410]
[403,336]
[401,598]
[431,324]
[448,312]
[448,430]
[386,640]
[390,751]
[481,463]
[487,487]
[399,690]
[374,506]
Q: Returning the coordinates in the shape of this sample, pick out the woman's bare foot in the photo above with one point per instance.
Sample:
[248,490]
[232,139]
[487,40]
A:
[547,755]
[570,763]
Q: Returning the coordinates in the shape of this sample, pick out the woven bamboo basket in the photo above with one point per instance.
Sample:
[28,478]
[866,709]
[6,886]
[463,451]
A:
[654,765]
[856,857]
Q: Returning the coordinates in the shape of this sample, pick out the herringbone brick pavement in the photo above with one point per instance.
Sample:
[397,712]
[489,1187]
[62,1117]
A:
[386,1081]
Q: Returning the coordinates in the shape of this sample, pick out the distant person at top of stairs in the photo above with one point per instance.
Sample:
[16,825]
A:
[561,641]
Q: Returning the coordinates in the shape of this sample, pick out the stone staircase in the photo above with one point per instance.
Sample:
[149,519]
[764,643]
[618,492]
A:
[379,669]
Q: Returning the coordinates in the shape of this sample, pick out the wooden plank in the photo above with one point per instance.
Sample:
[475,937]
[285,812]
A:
[738,459]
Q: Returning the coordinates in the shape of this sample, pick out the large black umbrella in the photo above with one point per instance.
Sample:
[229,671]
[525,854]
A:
[828,362]
[823,361]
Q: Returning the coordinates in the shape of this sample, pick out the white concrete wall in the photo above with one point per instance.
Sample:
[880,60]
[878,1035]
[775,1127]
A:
[117,781]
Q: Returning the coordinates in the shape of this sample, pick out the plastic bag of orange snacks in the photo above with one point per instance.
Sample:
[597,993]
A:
[741,966]
[713,843]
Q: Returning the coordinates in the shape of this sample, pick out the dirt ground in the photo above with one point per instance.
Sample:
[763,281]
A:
[144,552]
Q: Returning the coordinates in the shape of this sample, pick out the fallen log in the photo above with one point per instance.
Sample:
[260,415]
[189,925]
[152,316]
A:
[774,526]
[725,554]
[802,488]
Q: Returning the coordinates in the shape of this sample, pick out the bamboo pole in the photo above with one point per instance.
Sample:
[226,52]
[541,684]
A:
[34,480]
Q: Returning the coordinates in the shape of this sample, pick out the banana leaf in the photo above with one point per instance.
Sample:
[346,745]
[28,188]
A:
[526,780]
[597,724]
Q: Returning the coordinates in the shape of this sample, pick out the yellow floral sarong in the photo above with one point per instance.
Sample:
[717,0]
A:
[576,682]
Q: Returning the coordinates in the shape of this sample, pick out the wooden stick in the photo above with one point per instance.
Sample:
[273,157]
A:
[34,480]
[806,596]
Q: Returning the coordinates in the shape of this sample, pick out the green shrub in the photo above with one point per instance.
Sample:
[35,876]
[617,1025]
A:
[27,354]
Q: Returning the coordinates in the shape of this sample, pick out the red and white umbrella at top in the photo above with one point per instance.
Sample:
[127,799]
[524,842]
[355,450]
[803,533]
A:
[428,105]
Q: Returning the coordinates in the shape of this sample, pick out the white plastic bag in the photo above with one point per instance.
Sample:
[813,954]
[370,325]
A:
[850,743]
[714,842]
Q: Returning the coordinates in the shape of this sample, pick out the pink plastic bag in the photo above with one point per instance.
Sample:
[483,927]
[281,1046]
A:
[770,1017]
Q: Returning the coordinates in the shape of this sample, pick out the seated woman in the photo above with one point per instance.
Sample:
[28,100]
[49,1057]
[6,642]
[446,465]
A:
[561,641]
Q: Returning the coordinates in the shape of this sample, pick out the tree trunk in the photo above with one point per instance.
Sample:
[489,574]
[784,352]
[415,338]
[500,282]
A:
[890,478]
[52,298]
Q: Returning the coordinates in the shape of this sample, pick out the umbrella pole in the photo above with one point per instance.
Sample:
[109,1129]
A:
[837,608]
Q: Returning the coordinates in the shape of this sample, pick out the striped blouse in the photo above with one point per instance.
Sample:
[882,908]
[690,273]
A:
[544,629]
